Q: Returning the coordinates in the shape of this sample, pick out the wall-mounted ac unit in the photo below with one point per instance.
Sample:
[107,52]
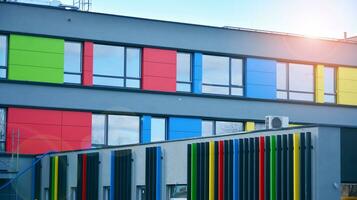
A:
[276,122]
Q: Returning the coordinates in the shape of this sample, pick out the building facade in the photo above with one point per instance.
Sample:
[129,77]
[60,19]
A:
[72,80]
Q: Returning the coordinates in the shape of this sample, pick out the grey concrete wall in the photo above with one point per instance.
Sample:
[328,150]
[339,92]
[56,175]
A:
[143,32]
[326,163]
[157,103]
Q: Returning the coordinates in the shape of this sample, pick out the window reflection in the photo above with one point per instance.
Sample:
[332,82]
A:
[222,75]
[183,72]
[221,127]
[116,66]
[3,56]
[72,62]
[2,129]
[329,85]
[295,81]
[158,129]
[115,129]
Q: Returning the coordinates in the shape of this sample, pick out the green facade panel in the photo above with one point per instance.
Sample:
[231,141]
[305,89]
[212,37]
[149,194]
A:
[32,43]
[36,59]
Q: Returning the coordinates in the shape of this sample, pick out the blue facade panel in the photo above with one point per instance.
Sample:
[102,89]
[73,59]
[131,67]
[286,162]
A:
[145,129]
[260,78]
[197,73]
[180,128]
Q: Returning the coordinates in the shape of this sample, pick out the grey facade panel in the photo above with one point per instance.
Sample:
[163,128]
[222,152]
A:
[118,29]
[175,104]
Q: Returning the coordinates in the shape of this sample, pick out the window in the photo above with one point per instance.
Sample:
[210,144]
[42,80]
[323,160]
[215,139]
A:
[222,75]
[2,129]
[184,72]
[220,127]
[295,81]
[260,126]
[207,128]
[140,192]
[158,129]
[329,85]
[116,66]
[106,192]
[73,193]
[114,130]
[3,56]
[223,127]
[72,62]
[177,192]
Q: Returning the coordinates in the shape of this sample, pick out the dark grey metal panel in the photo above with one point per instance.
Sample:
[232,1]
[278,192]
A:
[98,99]
[110,28]
[348,155]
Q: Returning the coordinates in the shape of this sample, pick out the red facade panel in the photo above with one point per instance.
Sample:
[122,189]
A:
[29,146]
[70,118]
[159,55]
[34,116]
[47,130]
[87,74]
[76,133]
[159,70]
[34,131]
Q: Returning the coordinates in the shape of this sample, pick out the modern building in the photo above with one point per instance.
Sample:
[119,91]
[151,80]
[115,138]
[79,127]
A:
[73,80]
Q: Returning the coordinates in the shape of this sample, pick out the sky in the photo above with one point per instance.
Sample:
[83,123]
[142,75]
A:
[313,18]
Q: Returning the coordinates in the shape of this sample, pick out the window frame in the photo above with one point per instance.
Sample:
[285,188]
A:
[124,77]
[191,73]
[334,85]
[106,130]
[81,65]
[6,58]
[230,85]
[287,79]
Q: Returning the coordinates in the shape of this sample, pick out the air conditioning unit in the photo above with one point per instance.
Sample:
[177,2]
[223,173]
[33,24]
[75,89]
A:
[276,122]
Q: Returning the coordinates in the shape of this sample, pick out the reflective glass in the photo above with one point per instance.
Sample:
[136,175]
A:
[3,50]
[301,96]
[183,87]
[98,129]
[260,126]
[123,130]
[215,70]
[183,67]
[133,62]
[237,72]
[329,76]
[158,129]
[72,78]
[281,76]
[97,80]
[3,73]
[2,124]
[207,128]
[237,91]
[133,83]
[215,89]
[223,127]
[72,57]
[178,192]
[282,95]
[330,98]
[108,60]
[301,77]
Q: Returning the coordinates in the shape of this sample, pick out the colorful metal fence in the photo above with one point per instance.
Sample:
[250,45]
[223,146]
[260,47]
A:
[276,167]
[153,173]
[121,169]
[58,177]
[87,176]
